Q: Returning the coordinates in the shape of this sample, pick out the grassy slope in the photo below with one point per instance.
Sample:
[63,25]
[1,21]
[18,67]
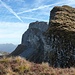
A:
[19,66]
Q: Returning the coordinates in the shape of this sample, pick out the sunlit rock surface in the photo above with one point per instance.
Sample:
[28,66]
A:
[61,37]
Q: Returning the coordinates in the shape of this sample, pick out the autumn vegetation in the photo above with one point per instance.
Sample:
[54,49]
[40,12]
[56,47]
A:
[20,66]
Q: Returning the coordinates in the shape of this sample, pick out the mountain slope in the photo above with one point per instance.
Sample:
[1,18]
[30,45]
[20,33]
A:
[19,66]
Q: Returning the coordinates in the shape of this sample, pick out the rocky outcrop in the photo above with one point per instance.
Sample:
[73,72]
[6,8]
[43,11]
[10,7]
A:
[53,43]
[61,36]
[33,38]
[32,46]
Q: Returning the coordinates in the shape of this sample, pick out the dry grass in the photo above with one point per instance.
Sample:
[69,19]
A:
[19,66]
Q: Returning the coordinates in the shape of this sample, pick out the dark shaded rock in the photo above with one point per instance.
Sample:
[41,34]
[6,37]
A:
[20,48]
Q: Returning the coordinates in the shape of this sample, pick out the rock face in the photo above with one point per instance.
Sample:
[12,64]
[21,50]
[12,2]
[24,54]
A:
[33,38]
[61,37]
[53,43]
[32,46]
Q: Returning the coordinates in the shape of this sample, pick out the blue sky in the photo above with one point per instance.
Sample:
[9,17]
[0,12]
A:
[15,16]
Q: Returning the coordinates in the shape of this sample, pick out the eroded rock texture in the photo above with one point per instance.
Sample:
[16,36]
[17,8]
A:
[61,36]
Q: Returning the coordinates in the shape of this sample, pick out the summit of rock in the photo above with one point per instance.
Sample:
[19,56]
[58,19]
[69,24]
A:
[39,25]
[62,18]
[61,36]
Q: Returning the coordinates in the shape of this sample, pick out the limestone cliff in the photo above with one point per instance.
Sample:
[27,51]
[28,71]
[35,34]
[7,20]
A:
[32,46]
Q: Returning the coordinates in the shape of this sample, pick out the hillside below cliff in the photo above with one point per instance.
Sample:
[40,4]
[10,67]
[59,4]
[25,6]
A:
[20,66]
[54,42]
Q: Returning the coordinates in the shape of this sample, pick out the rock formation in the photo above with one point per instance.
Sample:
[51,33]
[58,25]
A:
[53,43]
[61,36]
[32,46]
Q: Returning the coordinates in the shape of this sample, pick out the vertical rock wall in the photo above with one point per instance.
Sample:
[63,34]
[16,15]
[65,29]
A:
[61,35]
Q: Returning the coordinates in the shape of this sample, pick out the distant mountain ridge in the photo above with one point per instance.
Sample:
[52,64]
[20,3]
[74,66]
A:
[7,47]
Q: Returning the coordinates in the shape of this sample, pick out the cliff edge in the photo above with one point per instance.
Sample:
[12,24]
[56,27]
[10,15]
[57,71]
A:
[61,36]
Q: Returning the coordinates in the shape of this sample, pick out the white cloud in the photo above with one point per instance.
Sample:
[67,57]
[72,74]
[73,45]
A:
[35,19]
[7,7]
[19,0]
[16,0]
[40,7]
[71,2]
[11,26]
[37,3]
[13,31]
